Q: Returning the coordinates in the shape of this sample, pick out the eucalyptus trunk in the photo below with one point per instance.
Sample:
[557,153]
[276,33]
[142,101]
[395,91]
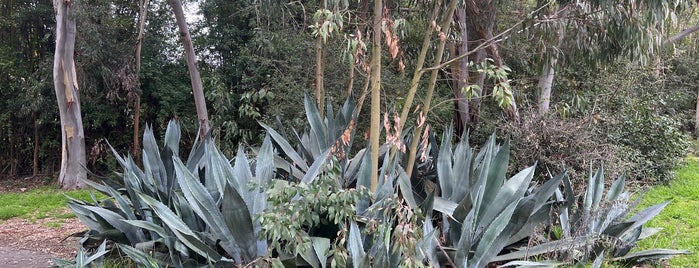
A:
[696,117]
[320,90]
[142,15]
[374,130]
[545,84]
[460,71]
[197,87]
[73,159]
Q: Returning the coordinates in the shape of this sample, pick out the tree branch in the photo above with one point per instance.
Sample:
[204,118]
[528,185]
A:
[681,35]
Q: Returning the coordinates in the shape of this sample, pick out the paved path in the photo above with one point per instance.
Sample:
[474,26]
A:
[18,258]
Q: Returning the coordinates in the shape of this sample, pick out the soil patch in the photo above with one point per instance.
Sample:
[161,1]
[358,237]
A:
[35,243]
[25,243]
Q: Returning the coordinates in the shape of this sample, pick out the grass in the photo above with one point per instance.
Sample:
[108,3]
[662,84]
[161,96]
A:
[39,203]
[679,220]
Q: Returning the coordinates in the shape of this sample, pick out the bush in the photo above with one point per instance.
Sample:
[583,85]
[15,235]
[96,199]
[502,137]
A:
[559,144]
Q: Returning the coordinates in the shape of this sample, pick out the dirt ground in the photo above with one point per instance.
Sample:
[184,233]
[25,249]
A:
[25,243]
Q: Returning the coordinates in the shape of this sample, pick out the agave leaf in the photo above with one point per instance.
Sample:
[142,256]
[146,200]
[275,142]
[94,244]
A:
[652,254]
[180,229]
[100,187]
[463,157]
[444,206]
[242,175]
[548,247]
[352,170]
[316,167]
[134,235]
[203,205]
[291,169]
[286,148]
[532,264]
[644,216]
[406,189]
[140,257]
[598,260]
[309,255]
[509,193]
[239,221]
[364,180]
[595,189]
[444,165]
[117,156]
[150,148]
[87,217]
[616,189]
[648,232]
[428,244]
[196,155]
[264,169]
[101,251]
[481,185]
[496,176]
[544,193]
[148,226]
[149,180]
[172,137]
[464,245]
[321,245]
[356,247]
[316,122]
[488,246]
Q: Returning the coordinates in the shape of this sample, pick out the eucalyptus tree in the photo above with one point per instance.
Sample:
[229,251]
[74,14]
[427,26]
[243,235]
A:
[73,157]
[596,32]
[190,57]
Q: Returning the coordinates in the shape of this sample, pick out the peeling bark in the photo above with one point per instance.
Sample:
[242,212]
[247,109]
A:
[73,156]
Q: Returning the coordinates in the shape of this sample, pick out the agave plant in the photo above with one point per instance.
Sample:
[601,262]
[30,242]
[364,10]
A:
[193,213]
[326,137]
[600,225]
[483,212]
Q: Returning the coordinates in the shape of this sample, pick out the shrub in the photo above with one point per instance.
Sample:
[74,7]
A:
[558,144]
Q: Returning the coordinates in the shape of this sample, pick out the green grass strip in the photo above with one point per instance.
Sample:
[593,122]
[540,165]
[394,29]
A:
[680,219]
[39,203]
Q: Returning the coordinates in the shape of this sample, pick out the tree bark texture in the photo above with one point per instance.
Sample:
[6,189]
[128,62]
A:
[681,35]
[375,128]
[696,117]
[197,87]
[545,84]
[73,158]
[460,74]
[320,90]
[142,15]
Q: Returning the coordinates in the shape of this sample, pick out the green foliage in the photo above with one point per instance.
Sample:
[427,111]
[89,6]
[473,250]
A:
[644,121]
[309,219]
